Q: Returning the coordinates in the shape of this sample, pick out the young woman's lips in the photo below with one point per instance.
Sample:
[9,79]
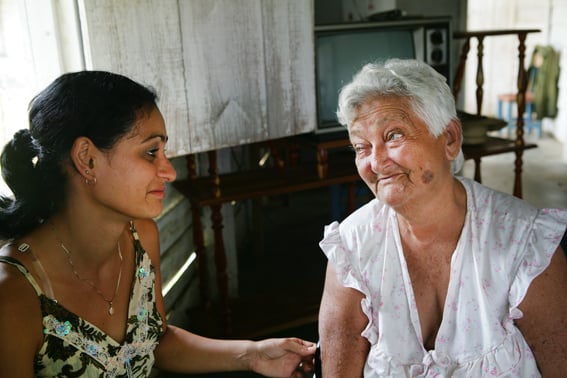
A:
[160,193]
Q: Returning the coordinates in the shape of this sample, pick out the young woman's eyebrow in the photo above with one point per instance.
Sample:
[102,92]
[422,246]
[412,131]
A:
[162,137]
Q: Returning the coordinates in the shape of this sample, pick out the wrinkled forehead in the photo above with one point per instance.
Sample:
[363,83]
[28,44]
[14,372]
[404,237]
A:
[384,109]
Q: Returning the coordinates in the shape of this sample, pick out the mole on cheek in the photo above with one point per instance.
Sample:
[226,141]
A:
[427,177]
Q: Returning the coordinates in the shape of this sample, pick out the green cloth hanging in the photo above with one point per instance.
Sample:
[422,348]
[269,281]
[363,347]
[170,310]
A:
[545,61]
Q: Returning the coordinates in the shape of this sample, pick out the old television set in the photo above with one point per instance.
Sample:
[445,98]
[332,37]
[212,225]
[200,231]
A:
[342,49]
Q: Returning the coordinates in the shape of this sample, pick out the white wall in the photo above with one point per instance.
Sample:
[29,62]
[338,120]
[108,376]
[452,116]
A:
[36,45]
[557,33]
[501,53]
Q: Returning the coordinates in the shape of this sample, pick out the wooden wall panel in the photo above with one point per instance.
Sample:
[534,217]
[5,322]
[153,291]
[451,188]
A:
[229,72]
[289,62]
[258,87]
[141,39]
[227,99]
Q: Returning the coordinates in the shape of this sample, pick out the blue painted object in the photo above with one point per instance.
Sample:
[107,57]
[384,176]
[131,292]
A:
[529,120]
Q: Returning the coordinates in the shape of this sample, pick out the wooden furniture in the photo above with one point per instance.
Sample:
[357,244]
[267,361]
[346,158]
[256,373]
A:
[492,146]
[496,145]
[286,176]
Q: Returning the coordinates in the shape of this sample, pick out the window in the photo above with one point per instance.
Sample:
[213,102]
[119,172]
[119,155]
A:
[34,50]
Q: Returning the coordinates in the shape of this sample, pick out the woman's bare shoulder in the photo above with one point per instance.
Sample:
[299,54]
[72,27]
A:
[15,288]
[148,234]
[145,226]
[20,318]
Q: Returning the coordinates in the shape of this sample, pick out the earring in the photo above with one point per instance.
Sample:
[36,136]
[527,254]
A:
[89,182]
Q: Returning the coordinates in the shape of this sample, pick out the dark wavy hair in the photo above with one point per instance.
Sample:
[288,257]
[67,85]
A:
[102,106]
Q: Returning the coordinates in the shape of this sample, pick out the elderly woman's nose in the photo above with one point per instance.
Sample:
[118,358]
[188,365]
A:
[377,158]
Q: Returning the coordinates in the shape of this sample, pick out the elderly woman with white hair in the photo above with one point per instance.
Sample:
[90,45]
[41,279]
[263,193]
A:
[437,275]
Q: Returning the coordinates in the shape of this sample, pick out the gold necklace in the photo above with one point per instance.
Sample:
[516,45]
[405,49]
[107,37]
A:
[87,281]
[91,283]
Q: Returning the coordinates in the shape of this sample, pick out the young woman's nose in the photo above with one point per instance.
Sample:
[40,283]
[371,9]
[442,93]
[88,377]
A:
[167,171]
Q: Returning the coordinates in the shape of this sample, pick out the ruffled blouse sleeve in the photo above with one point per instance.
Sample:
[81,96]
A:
[544,237]
[343,259]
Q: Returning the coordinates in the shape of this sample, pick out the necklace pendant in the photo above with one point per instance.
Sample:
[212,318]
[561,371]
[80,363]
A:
[110,309]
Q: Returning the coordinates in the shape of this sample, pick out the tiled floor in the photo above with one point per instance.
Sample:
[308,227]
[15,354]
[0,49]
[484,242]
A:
[544,175]
[282,283]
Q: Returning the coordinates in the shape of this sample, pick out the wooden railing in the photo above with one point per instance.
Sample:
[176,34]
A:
[519,143]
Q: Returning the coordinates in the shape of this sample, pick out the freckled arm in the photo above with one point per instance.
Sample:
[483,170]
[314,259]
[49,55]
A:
[544,324]
[341,321]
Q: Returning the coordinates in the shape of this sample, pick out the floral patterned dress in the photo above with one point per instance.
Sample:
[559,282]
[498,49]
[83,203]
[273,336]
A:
[73,347]
[505,243]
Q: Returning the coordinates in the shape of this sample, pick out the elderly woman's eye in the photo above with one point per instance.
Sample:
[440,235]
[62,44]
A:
[357,148]
[394,135]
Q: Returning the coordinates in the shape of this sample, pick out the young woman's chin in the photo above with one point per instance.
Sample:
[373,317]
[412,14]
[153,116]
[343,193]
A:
[152,210]
[157,212]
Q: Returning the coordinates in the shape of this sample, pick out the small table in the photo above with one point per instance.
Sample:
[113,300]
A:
[493,146]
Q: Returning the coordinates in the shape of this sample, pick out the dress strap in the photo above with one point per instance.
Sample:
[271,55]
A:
[138,249]
[12,261]
[134,232]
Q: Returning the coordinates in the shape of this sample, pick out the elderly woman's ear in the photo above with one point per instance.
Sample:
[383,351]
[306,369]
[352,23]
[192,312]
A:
[454,139]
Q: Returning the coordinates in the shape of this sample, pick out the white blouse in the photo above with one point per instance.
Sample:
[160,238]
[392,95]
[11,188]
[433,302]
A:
[505,243]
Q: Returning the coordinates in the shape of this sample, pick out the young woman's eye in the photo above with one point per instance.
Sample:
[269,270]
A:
[153,152]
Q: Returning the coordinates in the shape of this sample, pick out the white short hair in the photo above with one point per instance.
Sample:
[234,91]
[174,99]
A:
[425,89]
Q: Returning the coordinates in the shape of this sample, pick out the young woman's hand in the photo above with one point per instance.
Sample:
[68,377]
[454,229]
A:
[288,357]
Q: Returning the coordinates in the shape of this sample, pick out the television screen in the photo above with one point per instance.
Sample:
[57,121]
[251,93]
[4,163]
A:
[342,49]
[341,55]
